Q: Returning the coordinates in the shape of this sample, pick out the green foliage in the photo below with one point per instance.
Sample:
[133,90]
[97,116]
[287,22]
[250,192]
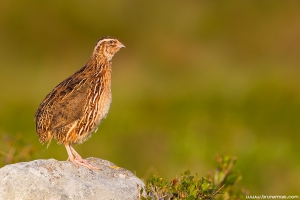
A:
[226,178]
[222,184]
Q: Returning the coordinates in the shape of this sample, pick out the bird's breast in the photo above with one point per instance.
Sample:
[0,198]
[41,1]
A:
[104,105]
[104,99]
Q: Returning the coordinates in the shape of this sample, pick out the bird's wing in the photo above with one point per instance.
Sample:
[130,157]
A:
[63,105]
[70,104]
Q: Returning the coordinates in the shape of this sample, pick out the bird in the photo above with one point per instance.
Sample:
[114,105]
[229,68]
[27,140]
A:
[74,109]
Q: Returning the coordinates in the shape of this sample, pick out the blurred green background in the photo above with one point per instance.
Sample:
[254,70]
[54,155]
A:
[197,79]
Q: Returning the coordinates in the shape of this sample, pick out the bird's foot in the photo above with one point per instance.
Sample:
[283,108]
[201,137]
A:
[80,161]
[76,159]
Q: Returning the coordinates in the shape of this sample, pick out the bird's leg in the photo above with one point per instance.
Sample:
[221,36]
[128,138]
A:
[78,160]
[70,155]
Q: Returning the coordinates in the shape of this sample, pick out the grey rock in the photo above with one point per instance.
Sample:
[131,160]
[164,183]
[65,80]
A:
[60,180]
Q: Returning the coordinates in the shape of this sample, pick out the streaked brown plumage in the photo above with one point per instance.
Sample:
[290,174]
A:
[76,106]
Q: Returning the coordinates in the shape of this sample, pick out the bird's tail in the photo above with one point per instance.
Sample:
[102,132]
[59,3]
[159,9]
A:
[46,137]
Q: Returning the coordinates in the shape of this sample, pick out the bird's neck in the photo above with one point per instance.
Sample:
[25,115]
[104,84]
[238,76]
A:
[99,63]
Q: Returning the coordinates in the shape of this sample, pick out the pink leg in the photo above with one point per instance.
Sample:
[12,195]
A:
[76,159]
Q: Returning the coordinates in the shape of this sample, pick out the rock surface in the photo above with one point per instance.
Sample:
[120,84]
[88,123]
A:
[57,180]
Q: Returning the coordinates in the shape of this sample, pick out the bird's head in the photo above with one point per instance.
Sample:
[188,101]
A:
[107,47]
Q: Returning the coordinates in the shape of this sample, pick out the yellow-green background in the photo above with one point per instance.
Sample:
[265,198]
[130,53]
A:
[197,79]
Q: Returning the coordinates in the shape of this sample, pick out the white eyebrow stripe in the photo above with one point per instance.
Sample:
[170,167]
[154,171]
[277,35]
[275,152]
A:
[105,40]
[101,41]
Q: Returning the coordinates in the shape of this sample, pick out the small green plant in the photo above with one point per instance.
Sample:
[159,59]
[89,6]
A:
[221,184]
[15,149]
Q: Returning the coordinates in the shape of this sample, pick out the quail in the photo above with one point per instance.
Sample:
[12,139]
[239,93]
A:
[73,110]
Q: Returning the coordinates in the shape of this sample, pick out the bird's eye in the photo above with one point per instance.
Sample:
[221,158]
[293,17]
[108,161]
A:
[111,42]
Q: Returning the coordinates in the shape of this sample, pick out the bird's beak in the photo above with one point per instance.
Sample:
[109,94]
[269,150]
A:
[121,45]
